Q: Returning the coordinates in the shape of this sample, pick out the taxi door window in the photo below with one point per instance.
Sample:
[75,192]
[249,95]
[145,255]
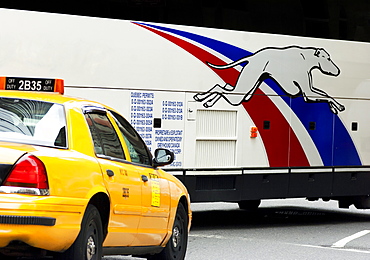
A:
[105,138]
[139,152]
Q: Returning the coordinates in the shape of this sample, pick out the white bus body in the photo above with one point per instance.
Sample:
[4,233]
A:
[291,119]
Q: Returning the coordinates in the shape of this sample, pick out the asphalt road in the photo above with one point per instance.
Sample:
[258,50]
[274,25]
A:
[279,229]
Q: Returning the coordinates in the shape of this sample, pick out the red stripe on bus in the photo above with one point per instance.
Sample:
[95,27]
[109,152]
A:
[280,140]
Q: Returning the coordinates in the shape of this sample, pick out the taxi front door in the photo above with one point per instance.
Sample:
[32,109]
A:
[155,201]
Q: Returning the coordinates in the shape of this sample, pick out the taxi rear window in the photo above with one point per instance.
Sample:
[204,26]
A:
[32,122]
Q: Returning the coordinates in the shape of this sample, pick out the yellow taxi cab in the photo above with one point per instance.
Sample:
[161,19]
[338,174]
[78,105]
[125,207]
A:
[78,182]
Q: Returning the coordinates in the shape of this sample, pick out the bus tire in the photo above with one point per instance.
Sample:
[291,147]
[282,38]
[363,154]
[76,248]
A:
[362,202]
[249,204]
[88,244]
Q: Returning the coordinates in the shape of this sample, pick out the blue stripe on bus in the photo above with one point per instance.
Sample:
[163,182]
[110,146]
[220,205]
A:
[339,153]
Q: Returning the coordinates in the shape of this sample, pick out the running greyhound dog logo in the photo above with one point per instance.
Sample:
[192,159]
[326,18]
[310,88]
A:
[290,67]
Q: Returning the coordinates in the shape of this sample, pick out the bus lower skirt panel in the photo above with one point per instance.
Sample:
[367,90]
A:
[233,188]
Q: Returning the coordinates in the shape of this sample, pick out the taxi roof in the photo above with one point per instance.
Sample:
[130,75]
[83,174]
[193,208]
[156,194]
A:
[52,97]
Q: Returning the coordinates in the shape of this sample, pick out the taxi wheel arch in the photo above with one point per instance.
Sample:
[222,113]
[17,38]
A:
[102,203]
[88,245]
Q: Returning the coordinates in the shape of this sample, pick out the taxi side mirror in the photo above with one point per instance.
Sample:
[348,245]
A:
[163,157]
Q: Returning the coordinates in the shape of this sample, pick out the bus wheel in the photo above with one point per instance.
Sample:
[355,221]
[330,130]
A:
[176,246]
[249,204]
[88,244]
[362,202]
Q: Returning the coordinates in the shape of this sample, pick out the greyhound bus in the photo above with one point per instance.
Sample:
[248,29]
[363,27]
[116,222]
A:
[249,116]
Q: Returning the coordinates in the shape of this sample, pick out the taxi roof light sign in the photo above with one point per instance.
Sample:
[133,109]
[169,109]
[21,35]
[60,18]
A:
[32,84]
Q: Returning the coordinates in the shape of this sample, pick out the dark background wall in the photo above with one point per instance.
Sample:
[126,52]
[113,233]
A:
[332,19]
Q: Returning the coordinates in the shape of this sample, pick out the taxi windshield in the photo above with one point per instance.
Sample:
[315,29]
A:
[32,122]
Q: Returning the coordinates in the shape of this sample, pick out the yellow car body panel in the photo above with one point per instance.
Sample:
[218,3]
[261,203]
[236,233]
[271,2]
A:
[142,199]
[67,211]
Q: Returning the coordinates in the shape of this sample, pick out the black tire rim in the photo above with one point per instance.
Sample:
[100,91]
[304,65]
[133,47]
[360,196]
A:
[178,239]
[91,241]
[90,248]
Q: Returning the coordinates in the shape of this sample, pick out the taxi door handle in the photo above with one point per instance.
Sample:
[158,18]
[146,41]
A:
[110,173]
[144,178]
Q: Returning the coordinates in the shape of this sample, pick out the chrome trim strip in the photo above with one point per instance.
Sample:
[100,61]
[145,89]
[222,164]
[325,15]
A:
[216,172]
[352,169]
[311,170]
[265,171]
[24,190]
